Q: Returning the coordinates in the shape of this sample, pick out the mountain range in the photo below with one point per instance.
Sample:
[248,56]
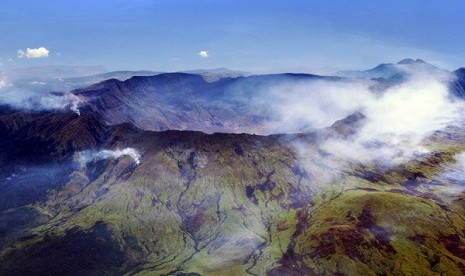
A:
[189,102]
[203,174]
[393,71]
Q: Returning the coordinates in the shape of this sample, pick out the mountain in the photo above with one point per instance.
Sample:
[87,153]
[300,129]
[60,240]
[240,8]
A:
[394,72]
[126,187]
[64,78]
[209,74]
[458,84]
[83,81]
[190,102]
[210,204]
[52,72]
[217,73]
[43,79]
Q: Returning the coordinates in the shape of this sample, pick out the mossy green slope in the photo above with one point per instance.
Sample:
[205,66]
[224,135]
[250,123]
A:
[227,204]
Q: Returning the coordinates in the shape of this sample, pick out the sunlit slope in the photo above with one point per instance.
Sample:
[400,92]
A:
[235,205]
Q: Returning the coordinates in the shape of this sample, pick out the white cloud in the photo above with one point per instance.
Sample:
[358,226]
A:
[32,100]
[317,103]
[203,54]
[40,52]
[85,157]
[456,171]
[54,102]
[397,119]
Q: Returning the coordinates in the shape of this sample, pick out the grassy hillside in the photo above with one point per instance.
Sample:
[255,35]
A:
[237,204]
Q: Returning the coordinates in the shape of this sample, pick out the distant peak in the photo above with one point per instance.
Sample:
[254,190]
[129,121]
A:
[410,61]
[460,72]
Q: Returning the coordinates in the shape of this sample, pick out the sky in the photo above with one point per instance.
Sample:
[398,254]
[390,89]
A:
[313,36]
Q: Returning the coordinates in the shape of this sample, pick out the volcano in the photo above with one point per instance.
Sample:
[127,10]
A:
[183,174]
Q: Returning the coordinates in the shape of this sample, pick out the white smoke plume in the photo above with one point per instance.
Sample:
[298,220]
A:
[85,157]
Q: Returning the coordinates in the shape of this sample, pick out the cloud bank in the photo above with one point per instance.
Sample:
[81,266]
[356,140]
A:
[54,102]
[32,100]
[40,52]
[397,119]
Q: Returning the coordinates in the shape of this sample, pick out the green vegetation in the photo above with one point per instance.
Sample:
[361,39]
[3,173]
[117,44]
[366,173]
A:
[250,205]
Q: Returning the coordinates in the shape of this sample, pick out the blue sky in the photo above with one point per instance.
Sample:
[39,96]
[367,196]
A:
[255,35]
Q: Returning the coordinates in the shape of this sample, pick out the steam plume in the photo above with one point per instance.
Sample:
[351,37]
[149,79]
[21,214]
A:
[85,157]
